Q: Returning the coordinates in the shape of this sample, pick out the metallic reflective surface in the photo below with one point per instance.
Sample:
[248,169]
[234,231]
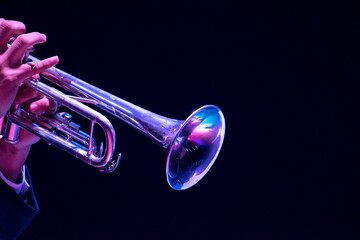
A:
[192,145]
[70,139]
[195,147]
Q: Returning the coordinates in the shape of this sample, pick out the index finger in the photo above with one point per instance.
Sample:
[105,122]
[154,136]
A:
[17,50]
[27,70]
[9,28]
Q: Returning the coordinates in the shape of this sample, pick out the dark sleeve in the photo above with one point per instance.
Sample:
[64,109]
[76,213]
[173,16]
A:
[15,213]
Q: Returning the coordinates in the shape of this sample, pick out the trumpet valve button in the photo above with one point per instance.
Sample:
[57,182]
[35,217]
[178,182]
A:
[66,117]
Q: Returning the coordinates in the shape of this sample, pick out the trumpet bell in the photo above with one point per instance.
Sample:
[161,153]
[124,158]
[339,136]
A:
[195,147]
[192,145]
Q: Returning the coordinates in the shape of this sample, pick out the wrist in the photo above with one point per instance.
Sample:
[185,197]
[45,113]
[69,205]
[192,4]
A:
[12,160]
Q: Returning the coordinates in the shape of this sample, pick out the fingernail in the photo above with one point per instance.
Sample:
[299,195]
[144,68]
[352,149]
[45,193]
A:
[56,58]
[44,36]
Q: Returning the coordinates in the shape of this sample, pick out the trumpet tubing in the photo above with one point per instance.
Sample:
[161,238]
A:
[192,145]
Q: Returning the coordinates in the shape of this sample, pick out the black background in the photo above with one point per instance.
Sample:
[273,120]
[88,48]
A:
[286,76]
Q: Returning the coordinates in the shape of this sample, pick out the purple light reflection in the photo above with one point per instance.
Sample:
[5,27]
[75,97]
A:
[196,147]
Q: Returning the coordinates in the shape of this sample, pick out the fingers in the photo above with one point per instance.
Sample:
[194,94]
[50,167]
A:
[11,59]
[17,50]
[26,94]
[43,105]
[29,70]
[7,30]
[37,102]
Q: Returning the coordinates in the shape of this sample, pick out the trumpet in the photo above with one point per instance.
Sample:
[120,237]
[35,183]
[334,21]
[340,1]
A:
[192,145]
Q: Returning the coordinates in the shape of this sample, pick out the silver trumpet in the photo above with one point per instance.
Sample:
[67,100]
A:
[192,145]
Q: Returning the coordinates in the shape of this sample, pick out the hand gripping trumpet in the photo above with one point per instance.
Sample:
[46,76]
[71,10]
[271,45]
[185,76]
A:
[192,145]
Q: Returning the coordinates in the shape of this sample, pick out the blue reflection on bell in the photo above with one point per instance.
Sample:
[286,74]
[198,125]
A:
[195,147]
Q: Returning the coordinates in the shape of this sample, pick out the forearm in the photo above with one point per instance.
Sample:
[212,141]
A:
[12,160]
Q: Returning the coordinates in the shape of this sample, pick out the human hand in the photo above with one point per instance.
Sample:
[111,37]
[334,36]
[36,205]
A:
[13,72]
[12,69]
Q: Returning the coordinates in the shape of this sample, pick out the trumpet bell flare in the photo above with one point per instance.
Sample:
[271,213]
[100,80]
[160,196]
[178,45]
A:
[195,147]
